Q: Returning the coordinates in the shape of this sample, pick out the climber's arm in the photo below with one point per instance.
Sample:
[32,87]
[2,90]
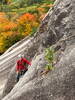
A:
[25,60]
[17,67]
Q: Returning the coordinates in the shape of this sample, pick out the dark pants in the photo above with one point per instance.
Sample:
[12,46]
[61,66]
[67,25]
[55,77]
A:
[20,74]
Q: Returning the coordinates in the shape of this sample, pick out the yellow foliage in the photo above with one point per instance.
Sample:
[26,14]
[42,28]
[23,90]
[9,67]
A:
[1,44]
[35,24]
[8,33]
[10,26]
[28,29]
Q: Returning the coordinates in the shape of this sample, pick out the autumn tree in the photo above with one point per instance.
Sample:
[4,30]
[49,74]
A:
[26,23]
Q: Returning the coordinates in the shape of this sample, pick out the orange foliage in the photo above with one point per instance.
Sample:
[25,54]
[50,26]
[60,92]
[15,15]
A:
[10,26]
[6,34]
[3,20]
[2,14]
[5,24]
[3,17]
[41,9]
[26,17]
[51,5]
[42,16]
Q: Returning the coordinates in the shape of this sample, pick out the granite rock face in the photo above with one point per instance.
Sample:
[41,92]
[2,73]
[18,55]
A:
[58,84]
[58,30]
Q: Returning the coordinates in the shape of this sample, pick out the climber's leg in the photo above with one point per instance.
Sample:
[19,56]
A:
[18,77]
[20,74]
[23,72]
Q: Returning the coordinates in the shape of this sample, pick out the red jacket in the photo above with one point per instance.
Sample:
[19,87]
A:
[20,64]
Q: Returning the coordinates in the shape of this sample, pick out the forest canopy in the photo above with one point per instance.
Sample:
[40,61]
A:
[20,18]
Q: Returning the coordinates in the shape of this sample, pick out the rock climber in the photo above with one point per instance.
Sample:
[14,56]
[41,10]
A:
[21,66]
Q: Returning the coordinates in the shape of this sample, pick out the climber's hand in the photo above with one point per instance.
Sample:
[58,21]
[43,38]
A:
[17,72]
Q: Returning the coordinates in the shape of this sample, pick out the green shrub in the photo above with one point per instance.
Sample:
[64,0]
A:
[49,55]
[49,67]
